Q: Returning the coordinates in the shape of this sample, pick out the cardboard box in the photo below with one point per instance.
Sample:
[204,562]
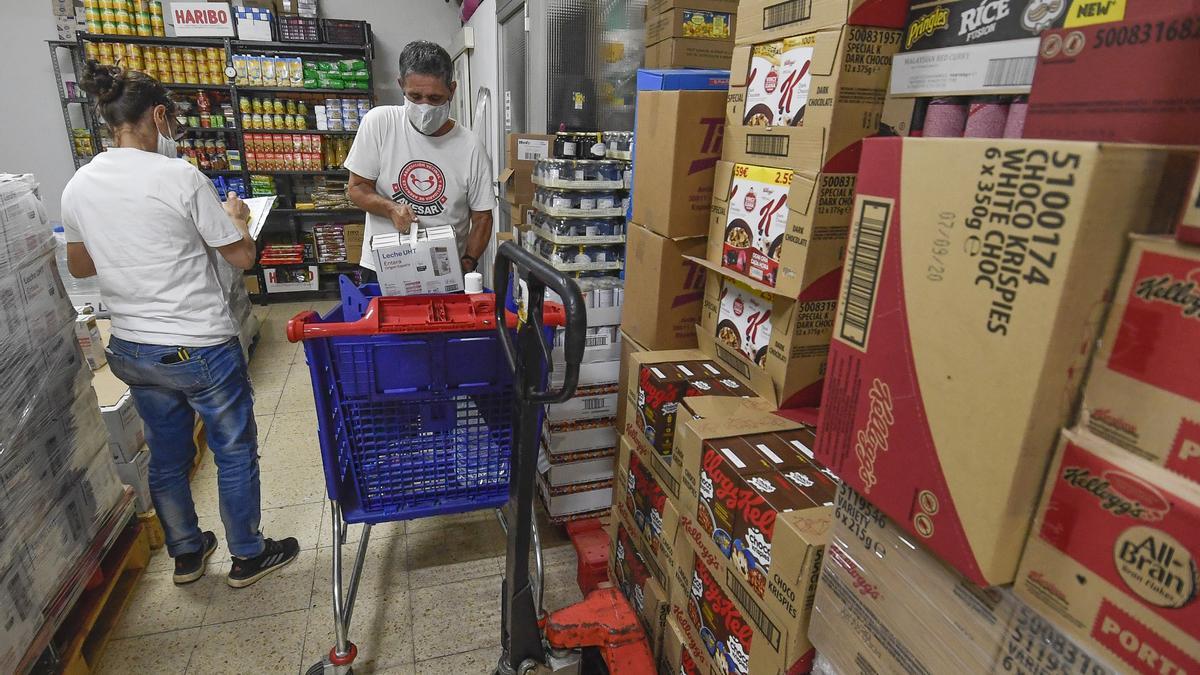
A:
[588,403]
[353,234]
[126,433]
[640,498]
[679,652]
[294,279]
[640,581]
[661,380]
[523,152]
[692,22]
[1188,229]
[689,53]
[520,214]
[665,289]
[778,345]
[678,144]
[252,283]
[569,502]
[781,232]
[763,20]
[629,347]
[834,103]
[656,7]
[254,24]
[965,326]
[1112,557]
[423,261]
[1151,91]
[886,605]
[87,334]
[575,468]
[1143,391]
[136,474]
[579,436]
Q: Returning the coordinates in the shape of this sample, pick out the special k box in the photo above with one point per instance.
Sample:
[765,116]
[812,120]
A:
[1113,554]
[1143,391]
[761,20]
[975,280]
[781,231]
[808,105]
[778,345]
[679,135]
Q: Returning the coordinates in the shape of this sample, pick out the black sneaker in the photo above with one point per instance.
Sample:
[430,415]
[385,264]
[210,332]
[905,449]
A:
[276,554]
[190,566]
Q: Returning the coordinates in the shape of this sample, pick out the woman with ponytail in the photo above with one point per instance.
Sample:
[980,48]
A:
[151,227]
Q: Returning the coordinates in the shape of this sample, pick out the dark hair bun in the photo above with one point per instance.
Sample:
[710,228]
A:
[104,82]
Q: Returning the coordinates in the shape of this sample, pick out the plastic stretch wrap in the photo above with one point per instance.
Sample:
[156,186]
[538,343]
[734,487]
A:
[57,482]
[886,605]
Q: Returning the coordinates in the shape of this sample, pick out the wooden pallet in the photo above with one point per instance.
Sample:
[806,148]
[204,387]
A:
[87,629]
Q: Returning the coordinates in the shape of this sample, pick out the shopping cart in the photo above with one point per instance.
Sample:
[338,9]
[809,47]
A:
[414,402]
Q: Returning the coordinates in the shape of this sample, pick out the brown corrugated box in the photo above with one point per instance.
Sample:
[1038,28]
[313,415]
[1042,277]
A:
[664,290]
[691,22]
[765,20]
[523,152]
[689,53]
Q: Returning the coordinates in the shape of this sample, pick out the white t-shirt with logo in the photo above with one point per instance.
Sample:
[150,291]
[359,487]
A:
[442,178]
[151,224]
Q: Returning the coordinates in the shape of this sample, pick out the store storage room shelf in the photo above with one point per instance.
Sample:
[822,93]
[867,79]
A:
[303,90]
[246,45]
[221,172]
[320,212]
[192,87]
[154,40]
[323,172]
[322,132]
[210,130]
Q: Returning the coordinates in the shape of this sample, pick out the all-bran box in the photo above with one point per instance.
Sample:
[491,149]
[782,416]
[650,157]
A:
[777,344]
[779,231]
[1143,391]
[805,102]
[887,605]
[969,308]
[1112,557]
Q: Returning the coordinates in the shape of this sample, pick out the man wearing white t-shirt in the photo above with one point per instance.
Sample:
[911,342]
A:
[413,164]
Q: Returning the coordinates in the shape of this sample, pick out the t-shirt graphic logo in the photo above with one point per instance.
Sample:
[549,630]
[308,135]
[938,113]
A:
[421,185]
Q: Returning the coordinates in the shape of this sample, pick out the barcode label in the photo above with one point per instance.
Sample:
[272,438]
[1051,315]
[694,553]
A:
[757,615]
[597,341]
[758,144]
[786,12]
[1014,72]
[598,403]
[863,271]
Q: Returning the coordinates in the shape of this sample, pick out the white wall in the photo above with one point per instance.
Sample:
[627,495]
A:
[32,134]
[485,72]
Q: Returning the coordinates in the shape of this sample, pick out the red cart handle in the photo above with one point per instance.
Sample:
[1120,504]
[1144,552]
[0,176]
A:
[417,314]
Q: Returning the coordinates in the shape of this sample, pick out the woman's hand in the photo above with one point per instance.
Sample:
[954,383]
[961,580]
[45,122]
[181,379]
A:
[236,208]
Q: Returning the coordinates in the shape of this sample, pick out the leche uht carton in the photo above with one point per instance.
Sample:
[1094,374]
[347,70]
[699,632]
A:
[1112,557]
[1143,391]
[423,261]
[976,277]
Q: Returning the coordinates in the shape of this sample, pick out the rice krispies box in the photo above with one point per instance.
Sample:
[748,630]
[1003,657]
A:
[1112,558]
[1143,391]
[780,231]
[641,500]
[640,580]
[976,278]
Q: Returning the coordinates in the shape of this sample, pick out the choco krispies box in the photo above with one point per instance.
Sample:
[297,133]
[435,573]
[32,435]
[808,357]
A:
[662,386]
[1112,557]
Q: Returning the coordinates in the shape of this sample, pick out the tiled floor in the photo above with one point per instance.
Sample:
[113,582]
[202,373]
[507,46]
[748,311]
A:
[430,596]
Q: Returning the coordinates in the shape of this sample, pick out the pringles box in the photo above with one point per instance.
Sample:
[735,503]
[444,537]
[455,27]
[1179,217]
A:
[1112,557]
[778,345]
[887,605]
[805,102]
[1143,391]
[968,311]
[783,230]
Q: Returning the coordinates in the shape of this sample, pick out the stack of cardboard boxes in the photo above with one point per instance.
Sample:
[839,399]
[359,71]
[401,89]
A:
[690,33]
[976,310]
[58,483]
[524,150]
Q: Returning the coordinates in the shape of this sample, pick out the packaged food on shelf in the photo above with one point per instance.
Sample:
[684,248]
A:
[1034,314]
[581,174]
[579,145]
[619,144]
[579,230]
[424,261]
[576,257]
[581,204]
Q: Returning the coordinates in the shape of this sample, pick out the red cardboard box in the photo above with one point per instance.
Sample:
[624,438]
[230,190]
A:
[965,325]
[1188,229]
[1143,391]
[1132,81]
[1112,557]
[663,384]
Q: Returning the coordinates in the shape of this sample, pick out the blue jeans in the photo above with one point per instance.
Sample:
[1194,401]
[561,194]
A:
[214,383]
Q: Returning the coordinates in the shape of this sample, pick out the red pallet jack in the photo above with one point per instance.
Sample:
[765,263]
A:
[601,634]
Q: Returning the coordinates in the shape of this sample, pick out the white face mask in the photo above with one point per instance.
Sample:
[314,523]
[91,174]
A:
[167,146]
[427,118]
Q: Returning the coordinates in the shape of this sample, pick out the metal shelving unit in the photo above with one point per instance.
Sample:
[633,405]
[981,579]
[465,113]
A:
[286,218]
[65,102]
